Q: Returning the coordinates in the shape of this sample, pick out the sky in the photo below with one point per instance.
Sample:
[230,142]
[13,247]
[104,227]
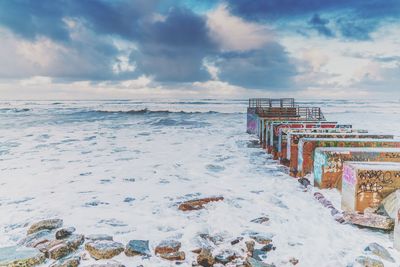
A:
[141,49]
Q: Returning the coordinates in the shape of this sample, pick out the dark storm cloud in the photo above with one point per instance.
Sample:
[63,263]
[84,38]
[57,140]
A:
[321,25]
[268,68]
[357,29]
[360,19]
[174,49]
[281,9]
[32,18]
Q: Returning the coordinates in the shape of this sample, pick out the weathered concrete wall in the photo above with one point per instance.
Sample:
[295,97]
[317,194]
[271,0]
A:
[367,184]
[276,129]
[328,162]
[307,146]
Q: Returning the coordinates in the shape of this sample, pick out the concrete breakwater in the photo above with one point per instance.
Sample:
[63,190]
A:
[316,152]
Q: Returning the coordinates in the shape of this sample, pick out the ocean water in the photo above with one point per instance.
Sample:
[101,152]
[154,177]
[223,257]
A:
[121,167]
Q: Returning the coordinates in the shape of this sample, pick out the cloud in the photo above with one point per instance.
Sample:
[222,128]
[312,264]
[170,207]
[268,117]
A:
[173,50]
[284,9]
[233,33]
[320,25]
[355,19]
[267,68]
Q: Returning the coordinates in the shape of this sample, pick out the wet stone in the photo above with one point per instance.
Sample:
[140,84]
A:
[168,246]
[263,239]
[49,224]
[369,262]
[36,238]
[259,254]
[261,220]
[137,247]
[67,262]
[99,237]
[75,240]
[378,250]
[197,204]
[113,264]
[251,262]
[64,232]
[58,251]
[370,220]
[174,256]
[20,256]
[205,258]
[268,247]
[215,239]
[104,249]
[236,240]
[293,261]
[225,256]
[250,246]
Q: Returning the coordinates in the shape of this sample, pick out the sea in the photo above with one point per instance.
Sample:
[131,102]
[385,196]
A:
[121,167]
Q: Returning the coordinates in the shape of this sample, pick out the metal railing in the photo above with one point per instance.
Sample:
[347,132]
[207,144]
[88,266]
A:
[271,102]
[296,113]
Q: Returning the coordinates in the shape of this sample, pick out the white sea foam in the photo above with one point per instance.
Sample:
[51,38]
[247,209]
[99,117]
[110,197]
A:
[122,172]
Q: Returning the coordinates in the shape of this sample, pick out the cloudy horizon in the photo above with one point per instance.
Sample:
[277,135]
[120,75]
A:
[199,49]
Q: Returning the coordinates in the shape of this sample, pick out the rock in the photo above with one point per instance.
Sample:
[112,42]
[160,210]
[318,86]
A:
[251,262]
[379,251]
[112,264]
[75,240]
[236,240]
[225,256]
[215,239]
[304,182]
[205,258]
[49,224]
[263,239]
[99,237]
[369,220]
[168,246]
[293,261]
[369,262]
[268,248]
[58,251]
[36,238]
[250,246]
[20,257]
[259,254]
[64,232]
[196,250]
[137,247]
[104,249]
[391,203]
[67,262]
[261,220]
[197,204]
[174,256]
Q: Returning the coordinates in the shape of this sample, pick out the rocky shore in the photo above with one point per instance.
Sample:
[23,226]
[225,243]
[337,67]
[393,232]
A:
[50,243]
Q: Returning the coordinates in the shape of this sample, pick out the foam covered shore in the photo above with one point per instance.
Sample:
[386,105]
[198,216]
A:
[123,173]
